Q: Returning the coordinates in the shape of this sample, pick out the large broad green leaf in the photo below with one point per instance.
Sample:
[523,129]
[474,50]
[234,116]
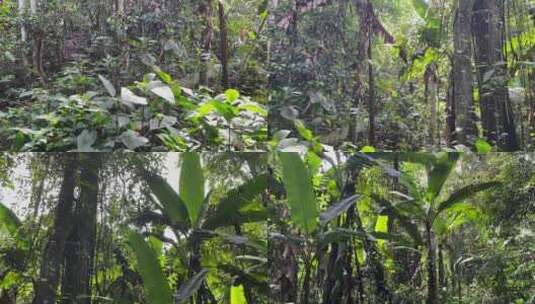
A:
[155,285]
[464,193]
[192,184]
[439,173]
[191,286]
[173,205]
[237,295]
[301,198]
[228,210]
[405,221]
[9,220]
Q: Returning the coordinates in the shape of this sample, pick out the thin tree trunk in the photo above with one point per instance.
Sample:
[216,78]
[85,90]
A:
[371,94]
[47,283]
[432,296]
[431,84]
[223,45]
[441,268]
[205,13]
[23,33]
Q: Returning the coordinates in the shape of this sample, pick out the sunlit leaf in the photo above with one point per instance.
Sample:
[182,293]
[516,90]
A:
[191,186]
[301,198]
[155,285]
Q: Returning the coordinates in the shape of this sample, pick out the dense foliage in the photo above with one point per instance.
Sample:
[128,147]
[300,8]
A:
[403,228]
[136,75]
[405,75]
[115,228]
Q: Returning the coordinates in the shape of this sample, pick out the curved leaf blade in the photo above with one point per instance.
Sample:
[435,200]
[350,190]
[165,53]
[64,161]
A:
[338,208]
[228,210]
[191,185]
[464,193]
[405,222]
[299,191]
[155,285]
[174,207]
[9,220]
[189,288]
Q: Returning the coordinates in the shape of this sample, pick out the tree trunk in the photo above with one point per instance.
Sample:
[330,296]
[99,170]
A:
[223,46]
[432,296]
[496,111]
[47,284]
[205,13]
[79,251]
[449,132]
[431,87]
[23,33]
[371,94]
[462,74]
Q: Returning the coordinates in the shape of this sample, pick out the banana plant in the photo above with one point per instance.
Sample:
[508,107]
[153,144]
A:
[192,218]
[424,204]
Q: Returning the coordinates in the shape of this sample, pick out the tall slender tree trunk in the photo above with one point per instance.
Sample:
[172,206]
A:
[371,94]
[496,110]
[462,74]
[52,259]
[431,87]
[223,45]
[23,32]
[449,132]
[205,13]
[432,291]
[79,251]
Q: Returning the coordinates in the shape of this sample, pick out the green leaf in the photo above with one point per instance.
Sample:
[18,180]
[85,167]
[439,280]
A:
[439,173]
[228,210]
[421,7]
[237,295]
[9,220]
[381,225]
[174,207]
[132,140]
[85,140]
[303,130]
[405,221]
[232,95]
[341,235]
[155,285]
[130,98]
[192,184]
[482,146]
[188,288]
[163,75]
[301,198]
[367,149]
[107,84]
[338,208]
[163,91]
[464,193]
